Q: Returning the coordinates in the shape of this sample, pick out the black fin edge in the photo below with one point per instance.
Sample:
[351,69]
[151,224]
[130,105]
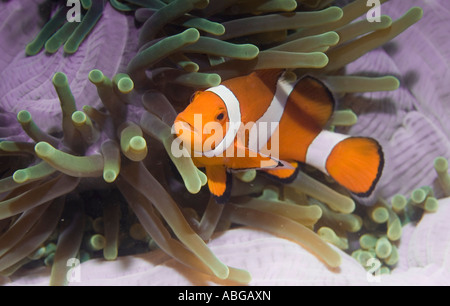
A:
[225,197]
[329,92]
[379,171]
[286,180]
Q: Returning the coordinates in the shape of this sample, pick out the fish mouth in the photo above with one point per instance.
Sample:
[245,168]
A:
[181,125]
[193,138]
[188,135]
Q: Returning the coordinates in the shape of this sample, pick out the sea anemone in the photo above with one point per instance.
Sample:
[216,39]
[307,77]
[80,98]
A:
[113,144]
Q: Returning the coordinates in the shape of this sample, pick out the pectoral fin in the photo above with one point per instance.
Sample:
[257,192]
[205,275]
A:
[245,159]
[219,183]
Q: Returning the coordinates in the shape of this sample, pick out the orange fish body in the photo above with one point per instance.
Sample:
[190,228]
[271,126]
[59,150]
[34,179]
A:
[268,122]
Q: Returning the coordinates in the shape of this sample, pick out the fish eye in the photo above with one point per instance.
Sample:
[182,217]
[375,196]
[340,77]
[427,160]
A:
[220,116]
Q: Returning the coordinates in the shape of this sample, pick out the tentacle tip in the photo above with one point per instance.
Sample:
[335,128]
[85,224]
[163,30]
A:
[60,79]
[348,206]
[244,277]
[331,38]
[222,272]
[336,12]
[125,85]
[110,256]
[191,35]
[43,149]
[203,178]
[417,11]
[336,261]
[109,176]
[394,235]
[220,30]
[214,79]
[31,49]
[96,76]
[51,47]
[431,205]
[86,4]
[24,116]
[192,188]
[395,82]
[322,60]
[440,164]
[138,143]
[69,48]
[386,20]
[79,118]
[20,176]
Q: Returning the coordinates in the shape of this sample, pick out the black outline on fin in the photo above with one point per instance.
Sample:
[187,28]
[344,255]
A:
[379,171]
[286,180]
[329,93]
[223,199]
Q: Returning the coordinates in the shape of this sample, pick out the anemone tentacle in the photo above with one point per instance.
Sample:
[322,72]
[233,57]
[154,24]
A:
[119,152]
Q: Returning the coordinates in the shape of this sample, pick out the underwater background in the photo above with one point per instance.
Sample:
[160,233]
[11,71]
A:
[87,173]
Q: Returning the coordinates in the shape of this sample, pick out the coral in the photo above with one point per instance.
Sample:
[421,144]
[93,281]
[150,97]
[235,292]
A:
[115,133]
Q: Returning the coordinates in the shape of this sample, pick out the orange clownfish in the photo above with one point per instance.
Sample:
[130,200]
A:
[266,121]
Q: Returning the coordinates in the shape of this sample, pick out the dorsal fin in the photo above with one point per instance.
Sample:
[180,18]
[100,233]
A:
[254,92]
[314,100]
[269,74]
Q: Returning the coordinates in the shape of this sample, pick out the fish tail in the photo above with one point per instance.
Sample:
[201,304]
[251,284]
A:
[356,163]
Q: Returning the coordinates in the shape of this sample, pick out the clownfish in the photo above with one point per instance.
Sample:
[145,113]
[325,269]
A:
[285,124]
